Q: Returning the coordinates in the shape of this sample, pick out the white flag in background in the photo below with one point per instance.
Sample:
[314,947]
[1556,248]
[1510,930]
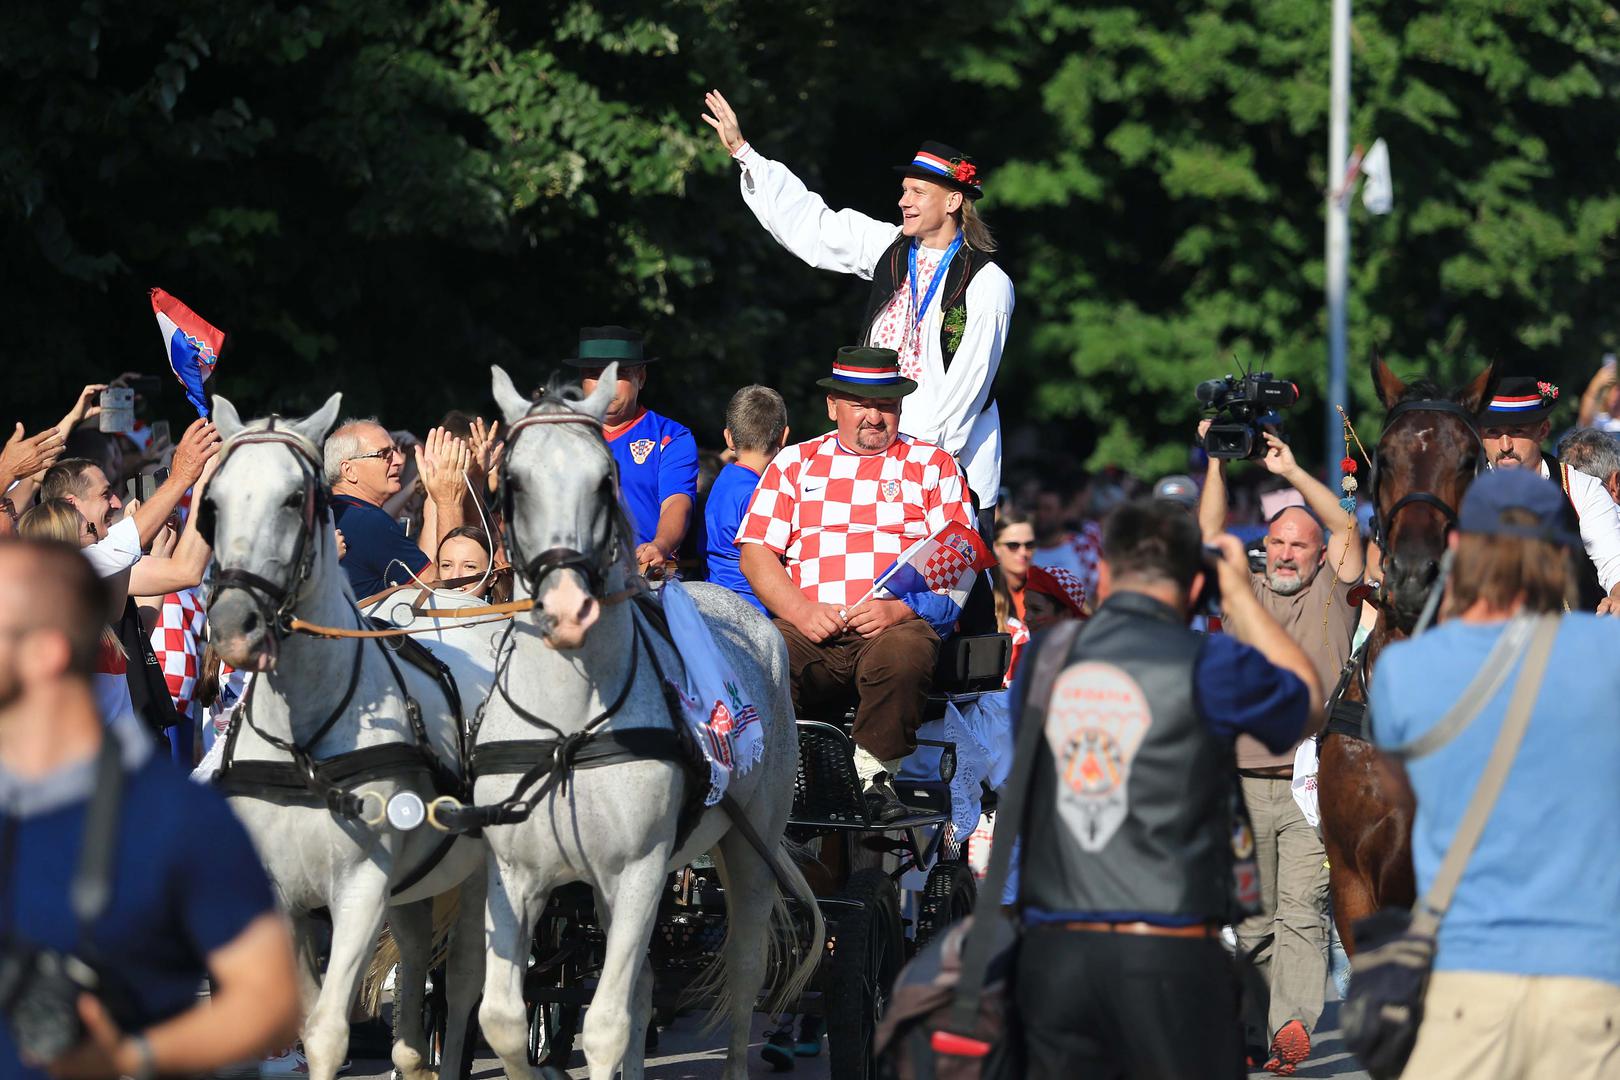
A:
[1378,194]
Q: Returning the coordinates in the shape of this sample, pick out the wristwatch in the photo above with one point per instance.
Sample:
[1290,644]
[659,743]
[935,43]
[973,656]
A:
[145,1064]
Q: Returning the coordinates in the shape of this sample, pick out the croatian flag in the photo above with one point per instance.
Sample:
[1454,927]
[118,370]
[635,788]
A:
[943,564]
[192,344]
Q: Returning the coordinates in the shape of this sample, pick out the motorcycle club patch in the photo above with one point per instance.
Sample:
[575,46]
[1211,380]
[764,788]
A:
[1098,718]
[891,490]
[640,449]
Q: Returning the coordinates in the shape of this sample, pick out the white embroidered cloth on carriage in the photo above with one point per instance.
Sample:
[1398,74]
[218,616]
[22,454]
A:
[723,719]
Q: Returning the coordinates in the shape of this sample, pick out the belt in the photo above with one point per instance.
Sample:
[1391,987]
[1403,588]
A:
[1273,772]
[1146,929]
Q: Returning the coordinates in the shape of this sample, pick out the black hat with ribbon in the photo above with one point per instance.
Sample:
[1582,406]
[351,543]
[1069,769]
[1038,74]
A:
[945,165]
[600,346]
[1519,400]
[867,372]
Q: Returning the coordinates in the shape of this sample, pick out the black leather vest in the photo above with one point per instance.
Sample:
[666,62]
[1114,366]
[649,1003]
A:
[1130,803]
[1587,584]
[891,273]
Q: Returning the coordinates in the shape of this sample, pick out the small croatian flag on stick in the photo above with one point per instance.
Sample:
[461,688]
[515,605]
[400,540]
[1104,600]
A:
[192,344]
[943,563]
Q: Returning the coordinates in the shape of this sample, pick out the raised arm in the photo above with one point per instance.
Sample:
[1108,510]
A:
[843,240]
[1212,500]
[1345,552]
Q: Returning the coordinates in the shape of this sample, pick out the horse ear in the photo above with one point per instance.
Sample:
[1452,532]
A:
[596,406]
[317,426]
[513,404]
[1388,384]
[1481,388]
[225,417]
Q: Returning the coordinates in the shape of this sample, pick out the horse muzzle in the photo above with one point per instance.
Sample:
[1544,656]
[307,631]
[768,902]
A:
[567,611]
[239,632]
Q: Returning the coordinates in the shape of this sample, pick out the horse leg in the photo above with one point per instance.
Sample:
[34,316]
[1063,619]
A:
[412,927]
[464,974]
[357,917]
[307,955]
[615,1029]
[510,909]
[750,900]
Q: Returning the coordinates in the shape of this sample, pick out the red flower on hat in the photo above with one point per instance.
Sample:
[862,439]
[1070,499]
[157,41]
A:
[964,172]
[1547,390]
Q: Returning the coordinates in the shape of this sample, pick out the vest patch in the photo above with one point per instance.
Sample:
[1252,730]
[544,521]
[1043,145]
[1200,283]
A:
[1098,718]
[640,449]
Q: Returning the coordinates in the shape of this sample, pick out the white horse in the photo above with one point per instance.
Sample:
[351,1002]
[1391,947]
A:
[580,662]
[328,844]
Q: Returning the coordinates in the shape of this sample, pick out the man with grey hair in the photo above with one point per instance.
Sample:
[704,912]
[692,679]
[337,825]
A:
[1310,570]
[1596,453]
[363,466]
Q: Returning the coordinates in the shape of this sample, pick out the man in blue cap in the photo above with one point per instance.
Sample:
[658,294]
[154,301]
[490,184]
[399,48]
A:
[657,456]
[1527,974]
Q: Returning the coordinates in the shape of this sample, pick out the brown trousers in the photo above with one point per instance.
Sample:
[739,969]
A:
[886,677]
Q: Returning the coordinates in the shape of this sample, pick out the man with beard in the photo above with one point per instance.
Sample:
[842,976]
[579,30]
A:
[1305,587]
[1513,426]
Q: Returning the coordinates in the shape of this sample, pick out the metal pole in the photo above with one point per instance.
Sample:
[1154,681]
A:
[1338,236]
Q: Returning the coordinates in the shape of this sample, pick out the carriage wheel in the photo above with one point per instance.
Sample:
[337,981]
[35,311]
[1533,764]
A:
[867,955]
[552,1027]
[948,897]
[434,1017]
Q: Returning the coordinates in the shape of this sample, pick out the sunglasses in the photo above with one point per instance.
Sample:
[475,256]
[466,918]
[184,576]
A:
[385,452]
[1017,545]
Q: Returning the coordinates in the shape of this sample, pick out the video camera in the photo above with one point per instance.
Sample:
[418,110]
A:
[1243,408]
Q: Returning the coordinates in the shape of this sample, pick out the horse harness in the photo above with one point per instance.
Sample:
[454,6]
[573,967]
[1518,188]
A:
[306,779]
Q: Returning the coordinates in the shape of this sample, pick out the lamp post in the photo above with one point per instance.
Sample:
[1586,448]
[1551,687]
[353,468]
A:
[1338,234]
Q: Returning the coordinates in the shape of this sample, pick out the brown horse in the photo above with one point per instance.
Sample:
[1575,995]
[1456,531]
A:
[1429,453]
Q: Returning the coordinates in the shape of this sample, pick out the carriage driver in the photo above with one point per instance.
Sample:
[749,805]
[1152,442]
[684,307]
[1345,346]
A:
[829,516]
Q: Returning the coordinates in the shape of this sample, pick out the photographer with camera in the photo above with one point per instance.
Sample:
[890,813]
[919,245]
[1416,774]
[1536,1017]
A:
[1305,587]
[122,884]
[1129,844]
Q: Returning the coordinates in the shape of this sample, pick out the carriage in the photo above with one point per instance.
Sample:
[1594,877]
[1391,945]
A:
[884,890]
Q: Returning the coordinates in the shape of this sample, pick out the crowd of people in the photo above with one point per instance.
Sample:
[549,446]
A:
[1129,849]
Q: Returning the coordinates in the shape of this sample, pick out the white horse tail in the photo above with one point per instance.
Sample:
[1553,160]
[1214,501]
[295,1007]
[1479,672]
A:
[784,928]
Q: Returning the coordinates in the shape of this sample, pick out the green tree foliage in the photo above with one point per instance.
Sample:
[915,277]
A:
[384,196]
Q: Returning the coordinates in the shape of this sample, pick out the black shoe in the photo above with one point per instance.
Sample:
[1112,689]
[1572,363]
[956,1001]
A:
[883,806]
[778,1048]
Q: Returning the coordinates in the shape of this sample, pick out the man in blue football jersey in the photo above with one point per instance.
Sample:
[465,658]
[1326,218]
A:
[657,457]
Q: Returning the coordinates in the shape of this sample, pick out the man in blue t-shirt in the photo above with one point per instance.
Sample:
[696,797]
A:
[188,898]
[657,457]
[1527,976]
[363,465]
[756,428]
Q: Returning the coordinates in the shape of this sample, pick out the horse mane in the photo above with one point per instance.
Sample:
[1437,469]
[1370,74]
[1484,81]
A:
[1423,390]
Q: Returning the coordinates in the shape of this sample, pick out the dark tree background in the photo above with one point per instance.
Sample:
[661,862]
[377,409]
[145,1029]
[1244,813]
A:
[385,196]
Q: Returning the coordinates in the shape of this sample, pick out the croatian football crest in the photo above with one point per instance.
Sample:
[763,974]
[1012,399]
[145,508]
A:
[640,449]
[891,490]
[1098,718]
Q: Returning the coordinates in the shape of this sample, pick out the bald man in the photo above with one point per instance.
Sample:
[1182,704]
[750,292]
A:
[1305,586]
[189,899]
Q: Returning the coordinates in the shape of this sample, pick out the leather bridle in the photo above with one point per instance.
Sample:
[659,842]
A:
[534,571]
[274,601]
[1382,523]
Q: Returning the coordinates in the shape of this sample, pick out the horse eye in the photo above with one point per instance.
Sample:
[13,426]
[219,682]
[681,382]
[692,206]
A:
[293,501]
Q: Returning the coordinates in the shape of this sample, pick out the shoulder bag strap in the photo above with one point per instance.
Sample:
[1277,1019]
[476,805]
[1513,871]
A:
[1486,684]
[1426,917]
[1050,659]
[92,880]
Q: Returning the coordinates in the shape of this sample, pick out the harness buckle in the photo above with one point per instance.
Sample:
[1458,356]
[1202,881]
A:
[372,819]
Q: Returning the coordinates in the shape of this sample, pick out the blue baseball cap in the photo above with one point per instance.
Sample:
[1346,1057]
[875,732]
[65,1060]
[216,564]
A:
[1500,490]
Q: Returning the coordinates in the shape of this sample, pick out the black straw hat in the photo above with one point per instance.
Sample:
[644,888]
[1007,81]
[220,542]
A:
[945,165]
[867,372]
[600,346]
[1520,400]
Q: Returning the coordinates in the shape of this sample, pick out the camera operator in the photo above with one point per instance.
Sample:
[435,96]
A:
[1127,870]
[1305,587]
[175,895]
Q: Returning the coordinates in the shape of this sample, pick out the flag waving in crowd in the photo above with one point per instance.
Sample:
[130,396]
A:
[935,574]
[192,343]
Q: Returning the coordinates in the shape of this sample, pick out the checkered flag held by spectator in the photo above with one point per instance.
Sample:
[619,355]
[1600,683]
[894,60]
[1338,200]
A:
[943,563]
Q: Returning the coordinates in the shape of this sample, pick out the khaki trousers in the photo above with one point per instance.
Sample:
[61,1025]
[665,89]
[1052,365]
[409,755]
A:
[1289,973]
[886,677]
[1487,1026]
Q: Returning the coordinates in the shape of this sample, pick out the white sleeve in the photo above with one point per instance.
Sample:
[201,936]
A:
[962,393]
[1600,525]
[844,240]
[116,552]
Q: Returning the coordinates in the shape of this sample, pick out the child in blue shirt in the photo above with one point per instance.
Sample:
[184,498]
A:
[756,428]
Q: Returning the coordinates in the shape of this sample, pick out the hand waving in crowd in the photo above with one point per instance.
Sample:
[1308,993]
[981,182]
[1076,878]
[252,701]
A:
[724,121]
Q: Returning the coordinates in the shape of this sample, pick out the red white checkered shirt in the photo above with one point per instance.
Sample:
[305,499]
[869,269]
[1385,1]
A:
[177,639]
[840,518]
